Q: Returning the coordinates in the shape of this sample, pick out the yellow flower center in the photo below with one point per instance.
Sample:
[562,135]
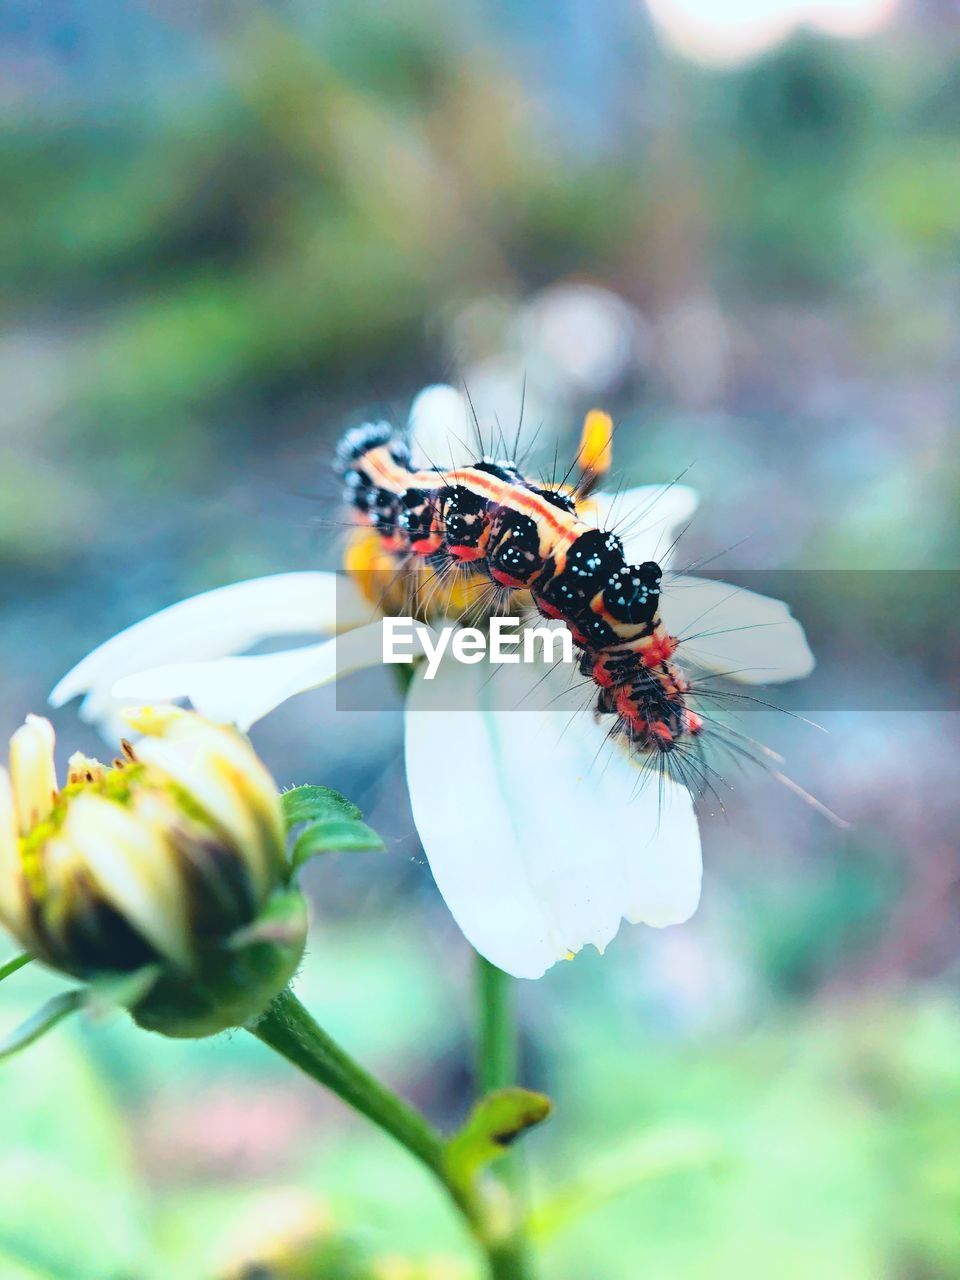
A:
[116,784]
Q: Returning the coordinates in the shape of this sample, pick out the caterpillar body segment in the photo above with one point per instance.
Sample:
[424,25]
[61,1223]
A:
[523,536]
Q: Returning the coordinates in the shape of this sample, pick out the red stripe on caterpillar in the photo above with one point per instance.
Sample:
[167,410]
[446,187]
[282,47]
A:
[519,535]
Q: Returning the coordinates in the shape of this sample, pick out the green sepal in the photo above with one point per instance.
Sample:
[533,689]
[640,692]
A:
[233,982]
[120,990]
[334,835]
[282,921]
[44,1020]
[492,1127]
[307,804]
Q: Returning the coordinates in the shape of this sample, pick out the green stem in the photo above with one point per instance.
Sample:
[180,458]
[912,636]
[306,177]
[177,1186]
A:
[13,965]
[509,1261]
[497,1039]
[497,1067]
[288,1028]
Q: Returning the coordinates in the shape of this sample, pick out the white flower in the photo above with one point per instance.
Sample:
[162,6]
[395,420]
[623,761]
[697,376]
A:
[539,839]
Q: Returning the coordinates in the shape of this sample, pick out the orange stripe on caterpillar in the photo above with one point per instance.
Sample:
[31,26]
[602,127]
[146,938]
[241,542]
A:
[522,536]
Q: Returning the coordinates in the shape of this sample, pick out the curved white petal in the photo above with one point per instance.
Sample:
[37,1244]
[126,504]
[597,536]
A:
[225,620]
[11,870]
[441,432]
[243,690]
[33,771]
[540,840]
[134,868]
[647,518]
[752,638]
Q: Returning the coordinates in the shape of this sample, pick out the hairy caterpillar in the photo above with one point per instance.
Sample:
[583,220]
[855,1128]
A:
[524,536]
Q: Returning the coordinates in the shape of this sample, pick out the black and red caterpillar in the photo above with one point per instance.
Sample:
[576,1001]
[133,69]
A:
[529,537]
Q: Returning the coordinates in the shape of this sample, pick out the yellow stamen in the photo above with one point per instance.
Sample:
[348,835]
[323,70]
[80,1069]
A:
[374,569]
[365,553]
[81,768]
[153,720]
[595,454]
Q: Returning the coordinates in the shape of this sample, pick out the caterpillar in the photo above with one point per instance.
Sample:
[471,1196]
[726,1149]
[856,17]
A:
[524,536]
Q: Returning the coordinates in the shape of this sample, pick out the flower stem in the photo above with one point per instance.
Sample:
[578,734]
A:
[497,1038]
[289,1029]
[13,965]
[497,1067]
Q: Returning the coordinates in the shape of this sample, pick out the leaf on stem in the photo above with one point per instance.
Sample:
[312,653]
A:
[334,835]
[492,1127]
[308,804]
[39,1023]
[333,824]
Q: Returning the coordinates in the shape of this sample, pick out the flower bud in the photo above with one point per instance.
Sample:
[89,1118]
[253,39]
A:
[171,862]
[290,1235]
[287,1235]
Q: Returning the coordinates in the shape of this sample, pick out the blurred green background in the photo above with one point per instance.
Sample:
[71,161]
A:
[226,231]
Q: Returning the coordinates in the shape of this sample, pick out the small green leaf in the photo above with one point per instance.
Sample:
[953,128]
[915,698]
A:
[492,1126]
[334,835]
[13,965]
[304,804]
[44,1020]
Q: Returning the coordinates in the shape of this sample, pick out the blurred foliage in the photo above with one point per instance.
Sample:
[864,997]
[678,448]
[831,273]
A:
[300,221]
[296,227]
[826,166]
[181,274]
[823,1143]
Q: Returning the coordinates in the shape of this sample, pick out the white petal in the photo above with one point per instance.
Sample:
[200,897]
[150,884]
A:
[32,771]
[11,908]
[648,518]
[243,690]
[752,638]
[226,620]
[215,774]
[538,839]
[135,870]
[441,432]
[213,759]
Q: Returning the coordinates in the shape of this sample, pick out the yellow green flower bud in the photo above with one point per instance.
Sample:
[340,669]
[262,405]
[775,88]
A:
[284,1235]
[170,863]
[291,1235]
